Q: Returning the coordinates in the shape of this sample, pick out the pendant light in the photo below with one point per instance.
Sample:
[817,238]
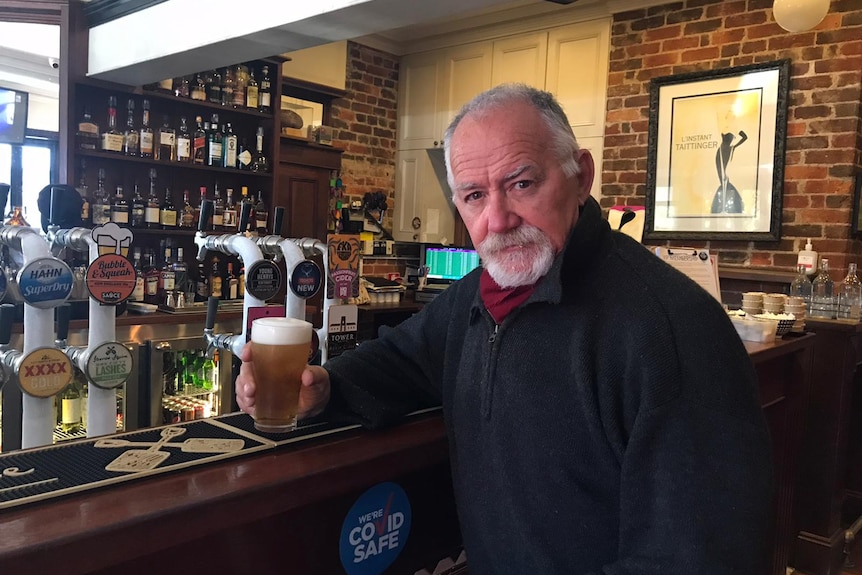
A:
[799,15]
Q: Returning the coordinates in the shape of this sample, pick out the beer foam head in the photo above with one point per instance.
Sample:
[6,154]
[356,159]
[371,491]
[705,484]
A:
[280,331]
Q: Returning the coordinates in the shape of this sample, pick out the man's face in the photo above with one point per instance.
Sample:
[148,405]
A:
[511,191]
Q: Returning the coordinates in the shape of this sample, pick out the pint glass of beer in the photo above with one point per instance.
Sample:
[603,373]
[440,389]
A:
[279,347]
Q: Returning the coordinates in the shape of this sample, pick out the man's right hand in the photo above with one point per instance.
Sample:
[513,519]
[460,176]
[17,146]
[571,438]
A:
[313,396]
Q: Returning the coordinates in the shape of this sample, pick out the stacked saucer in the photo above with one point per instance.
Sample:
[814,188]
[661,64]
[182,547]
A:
[752,302]
[774,303]
[796,306]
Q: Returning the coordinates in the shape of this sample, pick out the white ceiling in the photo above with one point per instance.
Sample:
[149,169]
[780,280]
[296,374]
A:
[27,52]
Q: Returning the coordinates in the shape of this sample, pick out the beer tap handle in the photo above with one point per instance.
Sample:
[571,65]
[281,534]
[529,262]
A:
[244,217]
[7,318]
[206,214]
[212,310]
[278,220]
[63,314]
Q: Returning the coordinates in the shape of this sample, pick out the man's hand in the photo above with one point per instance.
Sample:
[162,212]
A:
[313,396]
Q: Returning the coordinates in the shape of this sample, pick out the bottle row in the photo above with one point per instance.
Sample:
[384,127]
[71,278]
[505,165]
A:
[158,211]
[233,86]
[211,143]
[821,296]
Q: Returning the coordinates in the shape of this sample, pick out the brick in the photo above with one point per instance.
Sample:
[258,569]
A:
[648,22]
[808,112]
[680,16]
[803,231]
[725,8]
[791,41]
[753,46]
[838,65]
[702,26]
[665,59]
[675,44]
[641,49]
[829,156]
[744,19]
[674,31]
[812,82]
[701,55]
[850,94]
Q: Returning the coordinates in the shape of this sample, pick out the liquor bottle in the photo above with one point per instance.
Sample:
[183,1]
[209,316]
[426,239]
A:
[215,280]
[167,139]
[187,218]
[214,143]
[240,78]
[232,283]
[151,214]
[84,192]
[229,216]
[69,403]
[244,156]
[181,271]
[261,215]
[823,292]
[112,139]
[260,163]
[151,279]
[213,82]
[168,212]
[182,87]
[199,143]
[131,136]
[87,136]
[218,209]
[229,146]
[251,92]
[184,142]
[120,209]
[167,279]
[246,199]
[265,95]
[227,87]
[199,205]
[101,206]
[850,295]
[202,284]
[146,140]
[138,212]
[138,292]
[199,88]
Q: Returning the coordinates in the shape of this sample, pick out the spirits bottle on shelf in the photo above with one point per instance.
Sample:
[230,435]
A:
[202,284]
[187,219]
[218,208]
[265,91]
[244,156]
[199,143]
[229,218]
[167,279]
[146,140]
[112,139]
[215,280]
[246,199]
[131,136]
[229,147]
[232,283]
[84,192]
[151,279]
[261,215]
[101,206]
[87,134]
[138,292]
[182,87]
[154,206]
[214,143]
[138,211]
[240,79]
[184,142]
[213,83]
[120,208]
[260,163]
[167,142]
[200,203]
[168,212]
[199,89]
[252,100]
[181,271]
[227,87]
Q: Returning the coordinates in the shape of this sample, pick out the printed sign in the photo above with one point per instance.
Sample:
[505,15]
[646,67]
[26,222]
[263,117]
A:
[45,372]
[375,530]
[111,279]
[305,279]
[45,282]
[112,239]
[263,279]
[341,332]
[110,365]
[343,266]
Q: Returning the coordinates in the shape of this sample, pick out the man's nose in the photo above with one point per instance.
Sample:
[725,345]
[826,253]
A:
[501,217]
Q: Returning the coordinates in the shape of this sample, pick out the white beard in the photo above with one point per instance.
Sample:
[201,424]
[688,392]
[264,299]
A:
[521,267]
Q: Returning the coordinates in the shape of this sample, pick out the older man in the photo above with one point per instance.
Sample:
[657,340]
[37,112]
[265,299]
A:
[601,411]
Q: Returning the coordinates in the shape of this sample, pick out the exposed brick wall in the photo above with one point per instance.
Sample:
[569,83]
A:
[824,131]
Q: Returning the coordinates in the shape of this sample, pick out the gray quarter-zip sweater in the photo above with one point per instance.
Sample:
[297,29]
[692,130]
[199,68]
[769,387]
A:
[609,425]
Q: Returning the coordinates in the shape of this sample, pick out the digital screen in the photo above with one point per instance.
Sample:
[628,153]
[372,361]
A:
[450,263]
[13,116]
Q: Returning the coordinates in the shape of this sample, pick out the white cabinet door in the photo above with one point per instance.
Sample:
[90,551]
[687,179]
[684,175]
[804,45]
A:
[521,58]
[423,208]
[418,101]
[577,74]
[466,73]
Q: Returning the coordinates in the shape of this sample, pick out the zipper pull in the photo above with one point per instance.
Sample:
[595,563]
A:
[493,337]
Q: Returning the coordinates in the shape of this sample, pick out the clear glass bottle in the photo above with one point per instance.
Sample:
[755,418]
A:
[823,293]
[801,286]
[151,213]
[261,162]
[101,206]
[84,192]
[850,295]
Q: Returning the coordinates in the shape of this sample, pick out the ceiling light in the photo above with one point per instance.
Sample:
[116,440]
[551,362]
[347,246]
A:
[799,15]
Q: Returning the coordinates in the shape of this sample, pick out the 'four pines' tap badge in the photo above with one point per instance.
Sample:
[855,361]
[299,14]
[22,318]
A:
[111,276]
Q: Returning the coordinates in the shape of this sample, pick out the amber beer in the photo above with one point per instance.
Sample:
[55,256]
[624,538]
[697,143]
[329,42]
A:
[279,348]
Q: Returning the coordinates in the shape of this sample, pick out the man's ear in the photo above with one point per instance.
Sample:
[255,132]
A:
[586,173]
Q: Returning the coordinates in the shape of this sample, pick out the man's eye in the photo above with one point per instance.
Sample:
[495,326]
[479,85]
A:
[523,184]
[473,196]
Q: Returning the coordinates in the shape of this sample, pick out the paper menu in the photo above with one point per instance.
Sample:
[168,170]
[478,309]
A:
[699,265]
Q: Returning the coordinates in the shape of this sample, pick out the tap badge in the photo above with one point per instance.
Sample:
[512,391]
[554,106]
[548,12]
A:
[110,365]
[44,372]
[45,283]
[375,530]
[111,277]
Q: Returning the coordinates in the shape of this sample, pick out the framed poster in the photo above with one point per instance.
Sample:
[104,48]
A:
[715,161]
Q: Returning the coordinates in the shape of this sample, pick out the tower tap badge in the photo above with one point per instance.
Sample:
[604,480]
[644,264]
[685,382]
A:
[111,276]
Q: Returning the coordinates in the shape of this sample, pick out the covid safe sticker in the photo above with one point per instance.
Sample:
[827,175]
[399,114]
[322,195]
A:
[375,530]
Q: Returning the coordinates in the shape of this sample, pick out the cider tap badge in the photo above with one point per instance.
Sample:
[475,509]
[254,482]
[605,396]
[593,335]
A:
[375,530]
[111,277]
[343,266]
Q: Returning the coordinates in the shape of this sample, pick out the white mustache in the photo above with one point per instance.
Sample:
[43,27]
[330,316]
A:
[519,237]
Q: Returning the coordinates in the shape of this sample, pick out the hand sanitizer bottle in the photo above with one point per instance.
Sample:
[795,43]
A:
[808,258]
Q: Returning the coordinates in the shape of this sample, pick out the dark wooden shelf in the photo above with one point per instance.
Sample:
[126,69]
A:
[177,165]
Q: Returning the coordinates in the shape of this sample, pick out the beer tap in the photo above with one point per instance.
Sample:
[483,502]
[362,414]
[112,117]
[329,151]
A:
[9,356]
[249,252]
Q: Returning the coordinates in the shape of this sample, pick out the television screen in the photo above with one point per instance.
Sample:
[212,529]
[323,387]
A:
[13,116]
[449,263]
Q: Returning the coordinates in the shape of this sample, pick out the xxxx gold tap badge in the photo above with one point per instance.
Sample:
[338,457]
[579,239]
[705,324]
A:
[44,372]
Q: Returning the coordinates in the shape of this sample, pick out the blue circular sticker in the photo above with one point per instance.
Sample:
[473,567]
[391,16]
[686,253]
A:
[375,530]
[305,279]
[45,282]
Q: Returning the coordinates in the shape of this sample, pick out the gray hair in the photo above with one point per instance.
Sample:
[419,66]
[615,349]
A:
[564,142]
